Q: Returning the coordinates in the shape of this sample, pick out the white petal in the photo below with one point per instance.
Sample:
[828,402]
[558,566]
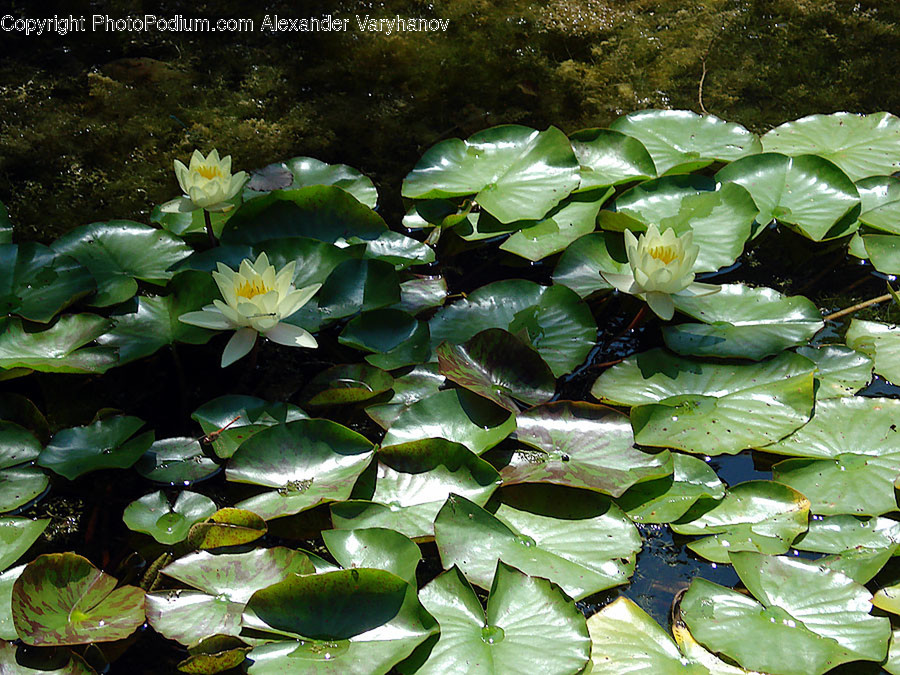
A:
[661,304]
[238,346]
[178,205]
[296,299]
[621,282]
[699,288]
[207,319]
[292,336]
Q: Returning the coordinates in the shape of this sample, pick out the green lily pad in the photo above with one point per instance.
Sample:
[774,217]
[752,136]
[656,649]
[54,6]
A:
[19,481]
[176,460]
[358,286]
[580,266]
[758,515]
[326,213]
[681,141]
[393,338]
[224,582]
[36,282]
[376,548]
[71,663]
[358,622]
[308,462]
[421,293]
[840,371]
[861,145]
[7,580]
[810,619]
[167,523]
[888,599]
[608,157]
[154,322]
[880,342]
[17,535]
[710,408]
[529,626]
[227,527]
[59,348]
[230,420]
[883,250]
[666,499]
[120,252]
[860,564]
[410,485]
[346,384]
[6,227]
[742,322]
[500,367]
[16,408]
[106,444]
[419,382]
[454,414]
[514,172]
[214,654]
[577,539]
[877,190]
[571,219]
[62,599]
[557,322]
[841,534]
[580,445]
[625,639]
[720,216]
[883,217]
[398,250]
[299,172]
[807,192]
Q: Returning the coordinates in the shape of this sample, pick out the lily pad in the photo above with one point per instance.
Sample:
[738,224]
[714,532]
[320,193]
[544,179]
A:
[79,604]
[666,499]
[880,342]
[720,216]
[154,322]
[758,515]
[807,192]
[410,485]
[883,250]
[308,462]
[530,626]
[681,141]
[176,460]
[17,535]
[572,218]
[861,145]
[455,414]
[841,534]
[167,523]
[576,539]
[36,282]
[557,322]
[230,420]
[580,445]
[6,227]
[608,157]
[71,663]
[300,172]
[376,548]
[742,322]
[810,619]
[840,371]
[421,293]
[106,444]
[398,250]
[883,217]
[7,579]
[20,482]
[393,338]
[358,286]
[580,266]
[514,172]
[224,583]
[346,384]
[420,382]
[227,527]
[500,367]
[214,654]
[118,253]
[710,408]
[326,213]
[59,348]
[888,599]
[358,622]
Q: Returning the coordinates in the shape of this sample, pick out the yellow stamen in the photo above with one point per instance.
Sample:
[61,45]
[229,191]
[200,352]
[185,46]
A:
[665,253]
[209,172]
[250,289]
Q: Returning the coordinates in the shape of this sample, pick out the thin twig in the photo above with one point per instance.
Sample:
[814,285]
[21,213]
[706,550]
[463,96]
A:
[858,306]
[700,88]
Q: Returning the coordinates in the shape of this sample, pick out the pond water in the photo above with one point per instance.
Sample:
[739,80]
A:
[89,128]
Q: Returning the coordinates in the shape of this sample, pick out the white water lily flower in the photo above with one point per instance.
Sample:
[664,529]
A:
[661,267]
[256,300]
[207,183]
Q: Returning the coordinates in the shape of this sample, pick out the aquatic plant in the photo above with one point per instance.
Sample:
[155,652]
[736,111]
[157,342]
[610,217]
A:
[490,407]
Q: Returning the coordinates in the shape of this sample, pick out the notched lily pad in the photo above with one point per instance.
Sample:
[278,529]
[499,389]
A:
[20,481]
[346,384]
[176,460]
[167,523]
[227,527]
[61,348]
[17,535]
